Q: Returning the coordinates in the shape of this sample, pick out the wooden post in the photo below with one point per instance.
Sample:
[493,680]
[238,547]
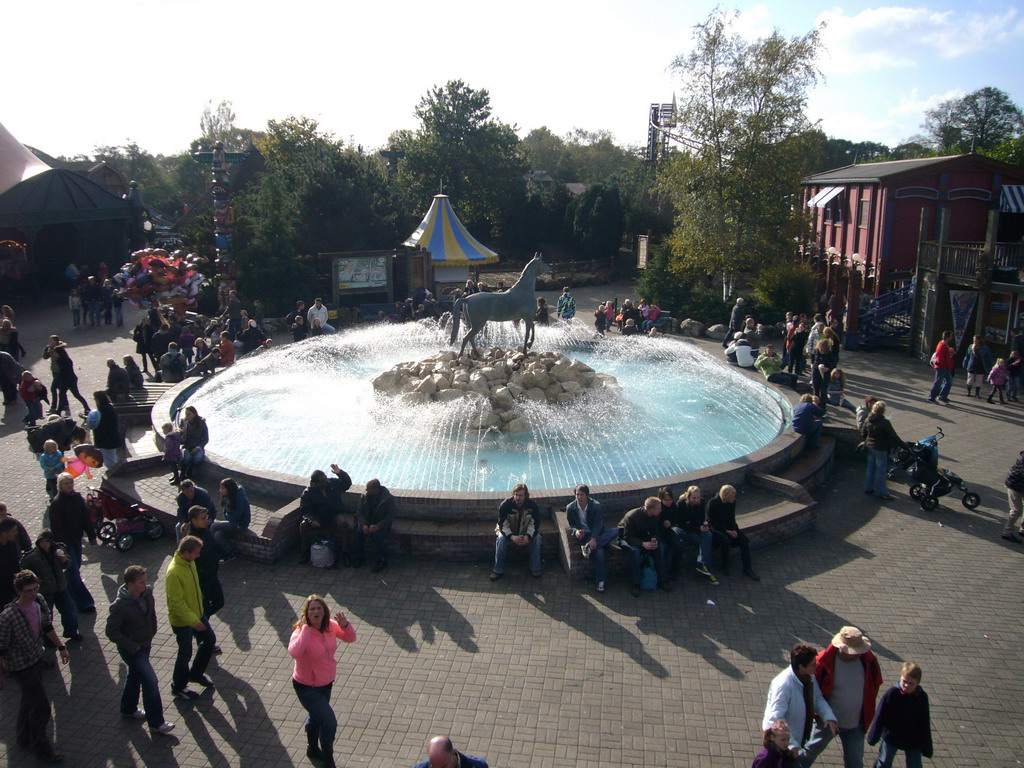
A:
[986,259]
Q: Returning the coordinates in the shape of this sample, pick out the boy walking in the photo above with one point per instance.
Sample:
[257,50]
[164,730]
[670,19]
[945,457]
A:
[131,625]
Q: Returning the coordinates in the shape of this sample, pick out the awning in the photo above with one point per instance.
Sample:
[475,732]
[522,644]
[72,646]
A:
[821,193]
[1012,199]
[827,197]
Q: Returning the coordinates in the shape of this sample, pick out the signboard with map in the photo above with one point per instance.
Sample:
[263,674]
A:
[362,273]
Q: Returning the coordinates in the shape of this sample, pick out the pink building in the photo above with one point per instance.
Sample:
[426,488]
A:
[867,218]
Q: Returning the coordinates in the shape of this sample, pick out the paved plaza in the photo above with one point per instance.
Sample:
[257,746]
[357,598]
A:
[547,673]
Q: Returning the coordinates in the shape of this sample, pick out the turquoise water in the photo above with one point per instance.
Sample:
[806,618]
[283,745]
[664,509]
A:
[304,406]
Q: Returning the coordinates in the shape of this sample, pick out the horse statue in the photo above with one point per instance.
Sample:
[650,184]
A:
[517,303]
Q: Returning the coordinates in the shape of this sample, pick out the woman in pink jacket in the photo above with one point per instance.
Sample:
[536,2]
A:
[313,644]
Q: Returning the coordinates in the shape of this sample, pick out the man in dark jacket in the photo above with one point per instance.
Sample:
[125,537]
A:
[191,495]
[10,558]
[131,625]
[1014,493]
[322,508]
[586,524]
[118,382]
[47,561]
[639,531]
[725,533]
[208,562]
[518,524]
[23,539]
[442,754]
[373,518]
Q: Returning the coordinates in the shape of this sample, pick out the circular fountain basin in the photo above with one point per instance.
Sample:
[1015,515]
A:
[300,407]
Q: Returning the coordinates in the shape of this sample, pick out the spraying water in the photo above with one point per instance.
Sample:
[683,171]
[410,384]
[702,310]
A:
[300,407]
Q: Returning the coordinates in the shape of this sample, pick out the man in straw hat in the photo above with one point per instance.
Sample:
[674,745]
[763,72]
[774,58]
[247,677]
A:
[849,677]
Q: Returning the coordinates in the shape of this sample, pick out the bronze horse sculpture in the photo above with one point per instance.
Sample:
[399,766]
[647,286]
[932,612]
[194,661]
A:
[517,303]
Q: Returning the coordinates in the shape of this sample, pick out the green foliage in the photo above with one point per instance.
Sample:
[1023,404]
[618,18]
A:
[315,196]
[981,120]
[784,286]
[745,136]
[1009,151]
[594,220]
[692,296]
[459,145]
[581,156]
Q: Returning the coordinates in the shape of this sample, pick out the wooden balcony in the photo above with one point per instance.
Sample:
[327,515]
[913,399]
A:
[961,259]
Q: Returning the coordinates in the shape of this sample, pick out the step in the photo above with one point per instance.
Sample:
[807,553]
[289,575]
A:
[812,466]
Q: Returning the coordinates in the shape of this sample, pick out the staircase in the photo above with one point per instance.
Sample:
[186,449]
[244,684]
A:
[888,319]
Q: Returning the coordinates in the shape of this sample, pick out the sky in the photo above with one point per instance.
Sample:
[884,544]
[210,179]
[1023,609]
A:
[82,74]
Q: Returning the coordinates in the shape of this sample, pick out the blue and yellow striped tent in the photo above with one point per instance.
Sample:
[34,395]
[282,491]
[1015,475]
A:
[448,241]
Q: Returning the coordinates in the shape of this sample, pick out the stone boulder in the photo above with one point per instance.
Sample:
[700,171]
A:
[694,328]
[717,332]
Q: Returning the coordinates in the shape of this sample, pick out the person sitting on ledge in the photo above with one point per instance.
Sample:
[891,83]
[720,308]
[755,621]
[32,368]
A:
[373,518]
[322,509]
[725,533]
[740,352]
[519,524]
[630,329]
[118,381]
[807,419]
[770,366]
[587,523]
[639,531]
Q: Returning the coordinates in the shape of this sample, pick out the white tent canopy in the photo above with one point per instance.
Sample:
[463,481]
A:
[17,163]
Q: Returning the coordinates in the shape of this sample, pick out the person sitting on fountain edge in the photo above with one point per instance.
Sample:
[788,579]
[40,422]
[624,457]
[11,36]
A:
[586,522]
[519,524]
[373,518]
[639,531]
[322,509]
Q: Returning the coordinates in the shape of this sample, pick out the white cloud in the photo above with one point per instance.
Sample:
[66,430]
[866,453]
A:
[913,105]
[897,37]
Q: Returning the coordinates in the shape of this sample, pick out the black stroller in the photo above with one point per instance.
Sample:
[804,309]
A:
[930,482]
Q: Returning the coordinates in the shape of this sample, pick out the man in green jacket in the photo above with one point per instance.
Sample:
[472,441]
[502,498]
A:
[770,365]
[187,619]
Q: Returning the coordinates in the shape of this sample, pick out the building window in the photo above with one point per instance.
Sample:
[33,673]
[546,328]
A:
[864,214]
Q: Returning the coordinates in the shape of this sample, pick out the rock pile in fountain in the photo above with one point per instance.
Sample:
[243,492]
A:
[496,384]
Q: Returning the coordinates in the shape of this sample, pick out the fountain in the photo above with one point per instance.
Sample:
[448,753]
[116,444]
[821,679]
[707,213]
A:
[675,413]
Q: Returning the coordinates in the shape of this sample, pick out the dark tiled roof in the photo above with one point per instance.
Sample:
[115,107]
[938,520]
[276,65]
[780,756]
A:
[876,171]
[60,191]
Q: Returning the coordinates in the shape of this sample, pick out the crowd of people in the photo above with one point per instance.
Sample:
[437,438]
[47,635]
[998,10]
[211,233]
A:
[43,575]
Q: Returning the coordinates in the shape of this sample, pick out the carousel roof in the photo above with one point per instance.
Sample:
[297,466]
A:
[17,163]
[448,241]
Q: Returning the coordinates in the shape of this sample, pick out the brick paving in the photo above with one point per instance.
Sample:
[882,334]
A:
[546,672]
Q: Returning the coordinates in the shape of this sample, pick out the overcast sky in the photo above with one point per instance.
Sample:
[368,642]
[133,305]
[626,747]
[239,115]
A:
[83,74]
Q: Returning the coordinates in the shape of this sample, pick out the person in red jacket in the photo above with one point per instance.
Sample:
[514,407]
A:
[849,677]
[942,362]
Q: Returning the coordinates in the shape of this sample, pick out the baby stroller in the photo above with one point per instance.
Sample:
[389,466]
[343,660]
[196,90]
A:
[927,450]
[118,521]
[930,482]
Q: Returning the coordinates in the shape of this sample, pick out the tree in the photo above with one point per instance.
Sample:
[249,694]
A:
[596,221]
[978,121]
[744,139]
[316,195]
[217,124]
[460,147]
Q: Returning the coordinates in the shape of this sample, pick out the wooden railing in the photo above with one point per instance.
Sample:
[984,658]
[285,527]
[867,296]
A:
[961,259]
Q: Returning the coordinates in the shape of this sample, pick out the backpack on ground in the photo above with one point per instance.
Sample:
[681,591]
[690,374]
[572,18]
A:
[321,554]
[648,573]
